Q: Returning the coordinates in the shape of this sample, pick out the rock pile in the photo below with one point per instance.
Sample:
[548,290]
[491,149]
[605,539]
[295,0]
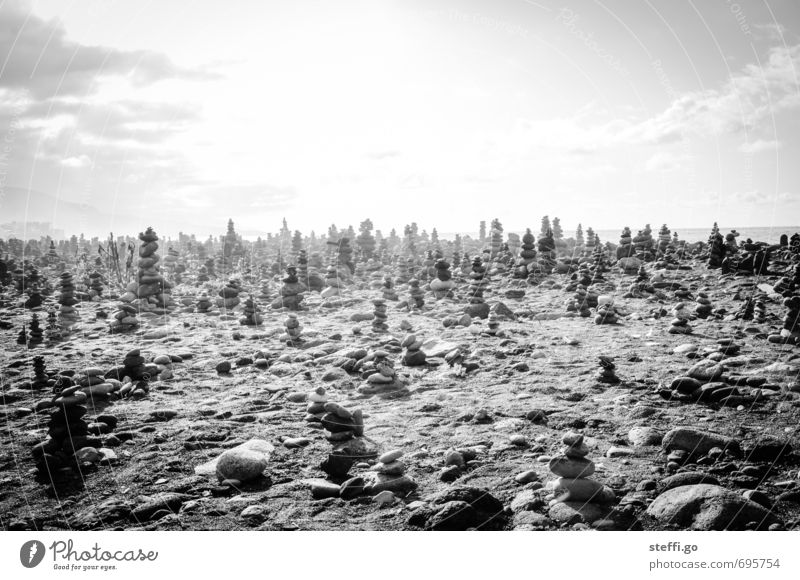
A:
[478,284]
[573,487]
[606,374]
[388,290]
[416,295]
[204,303]
[293,330]
[252,314]
[381,377]
[379,316]
[413,356]
[442,285]
[291,291]
[790,333]
[680,321]
[68,315]
[229,295]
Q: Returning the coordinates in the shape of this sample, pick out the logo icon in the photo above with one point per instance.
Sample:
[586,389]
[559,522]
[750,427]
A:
[31,553]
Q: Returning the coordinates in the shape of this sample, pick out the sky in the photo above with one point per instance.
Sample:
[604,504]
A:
[183,114]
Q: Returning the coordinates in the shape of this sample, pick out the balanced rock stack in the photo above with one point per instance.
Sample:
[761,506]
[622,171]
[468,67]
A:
[573,486]
[66,429]
[527,255]
[389,476]
[291,291]
[790,333]
[333,281]
[746,310]
[606,313]
[22,337]
[293,329]
[442,285]
[388,290]
[760,311]
[414,355]
[625,249]
[53,332]
[68,315]
[664,239]
[379,316]
[403,272]
[202,274]
[316,407]
[345,431]
[302,268]
[478,284]
[151,285]
[580,302]
[229,295]
[606,374]
[40,378]
[35,332]
[381,377]
[171,261]
[95,284]
[252,314]
[416,294]
[204,303]
[265,292]
[704,307]
[641,287]
[680,321]
[123,319]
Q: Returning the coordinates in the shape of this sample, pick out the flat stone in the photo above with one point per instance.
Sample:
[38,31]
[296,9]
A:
[645,436]
[696,442]
[576,512]
[259,446]
[571,467]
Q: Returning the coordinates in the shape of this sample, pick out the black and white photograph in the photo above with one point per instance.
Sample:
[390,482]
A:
[399,265]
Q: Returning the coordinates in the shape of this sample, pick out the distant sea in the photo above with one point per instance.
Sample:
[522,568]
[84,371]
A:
[770,235]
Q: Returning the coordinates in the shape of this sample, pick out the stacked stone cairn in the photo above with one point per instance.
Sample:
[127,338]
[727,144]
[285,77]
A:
[747,310]
[442,285]
[581,302]
[171,262]
[680,321]
[381,377]
[414,356]
[35,332]
[333,281]
[229,295]
[204,304]
[625,249]
[150,286]
[606,374]
[40,377]
[573,486]
[527,255]
[388,290]
[606,313]
[704,307]
[202,274]
[790,333]
[379,316]
[291,291]
[252,313]
[478,284]
[416,295]
[760,311]
[68,315]
[293,330]
[96,284]
[53,331]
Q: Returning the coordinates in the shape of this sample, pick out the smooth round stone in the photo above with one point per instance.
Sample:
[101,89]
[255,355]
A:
[296,442]
[316,397]
[572,439]
[393,468]
[576,450]
[241,464]
[571,467]
[519,440]
[575,512]
[322,489]
[390,456]
[223,367]
[580,490]
[384,498]
[526,477]
[454,458]
[618,452]
[338,410]
[379,379]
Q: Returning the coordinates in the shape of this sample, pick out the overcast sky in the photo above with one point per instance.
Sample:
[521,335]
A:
[182,114]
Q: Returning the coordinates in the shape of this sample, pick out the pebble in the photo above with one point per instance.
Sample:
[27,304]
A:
[526,477]
[385,498]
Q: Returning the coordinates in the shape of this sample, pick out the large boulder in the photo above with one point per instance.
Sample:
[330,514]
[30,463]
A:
[709,507]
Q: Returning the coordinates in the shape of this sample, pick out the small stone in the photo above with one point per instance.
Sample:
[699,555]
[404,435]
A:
[384,498]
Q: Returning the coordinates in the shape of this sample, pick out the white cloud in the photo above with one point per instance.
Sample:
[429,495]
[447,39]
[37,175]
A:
[759,145]
[77,162]
[664,161]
